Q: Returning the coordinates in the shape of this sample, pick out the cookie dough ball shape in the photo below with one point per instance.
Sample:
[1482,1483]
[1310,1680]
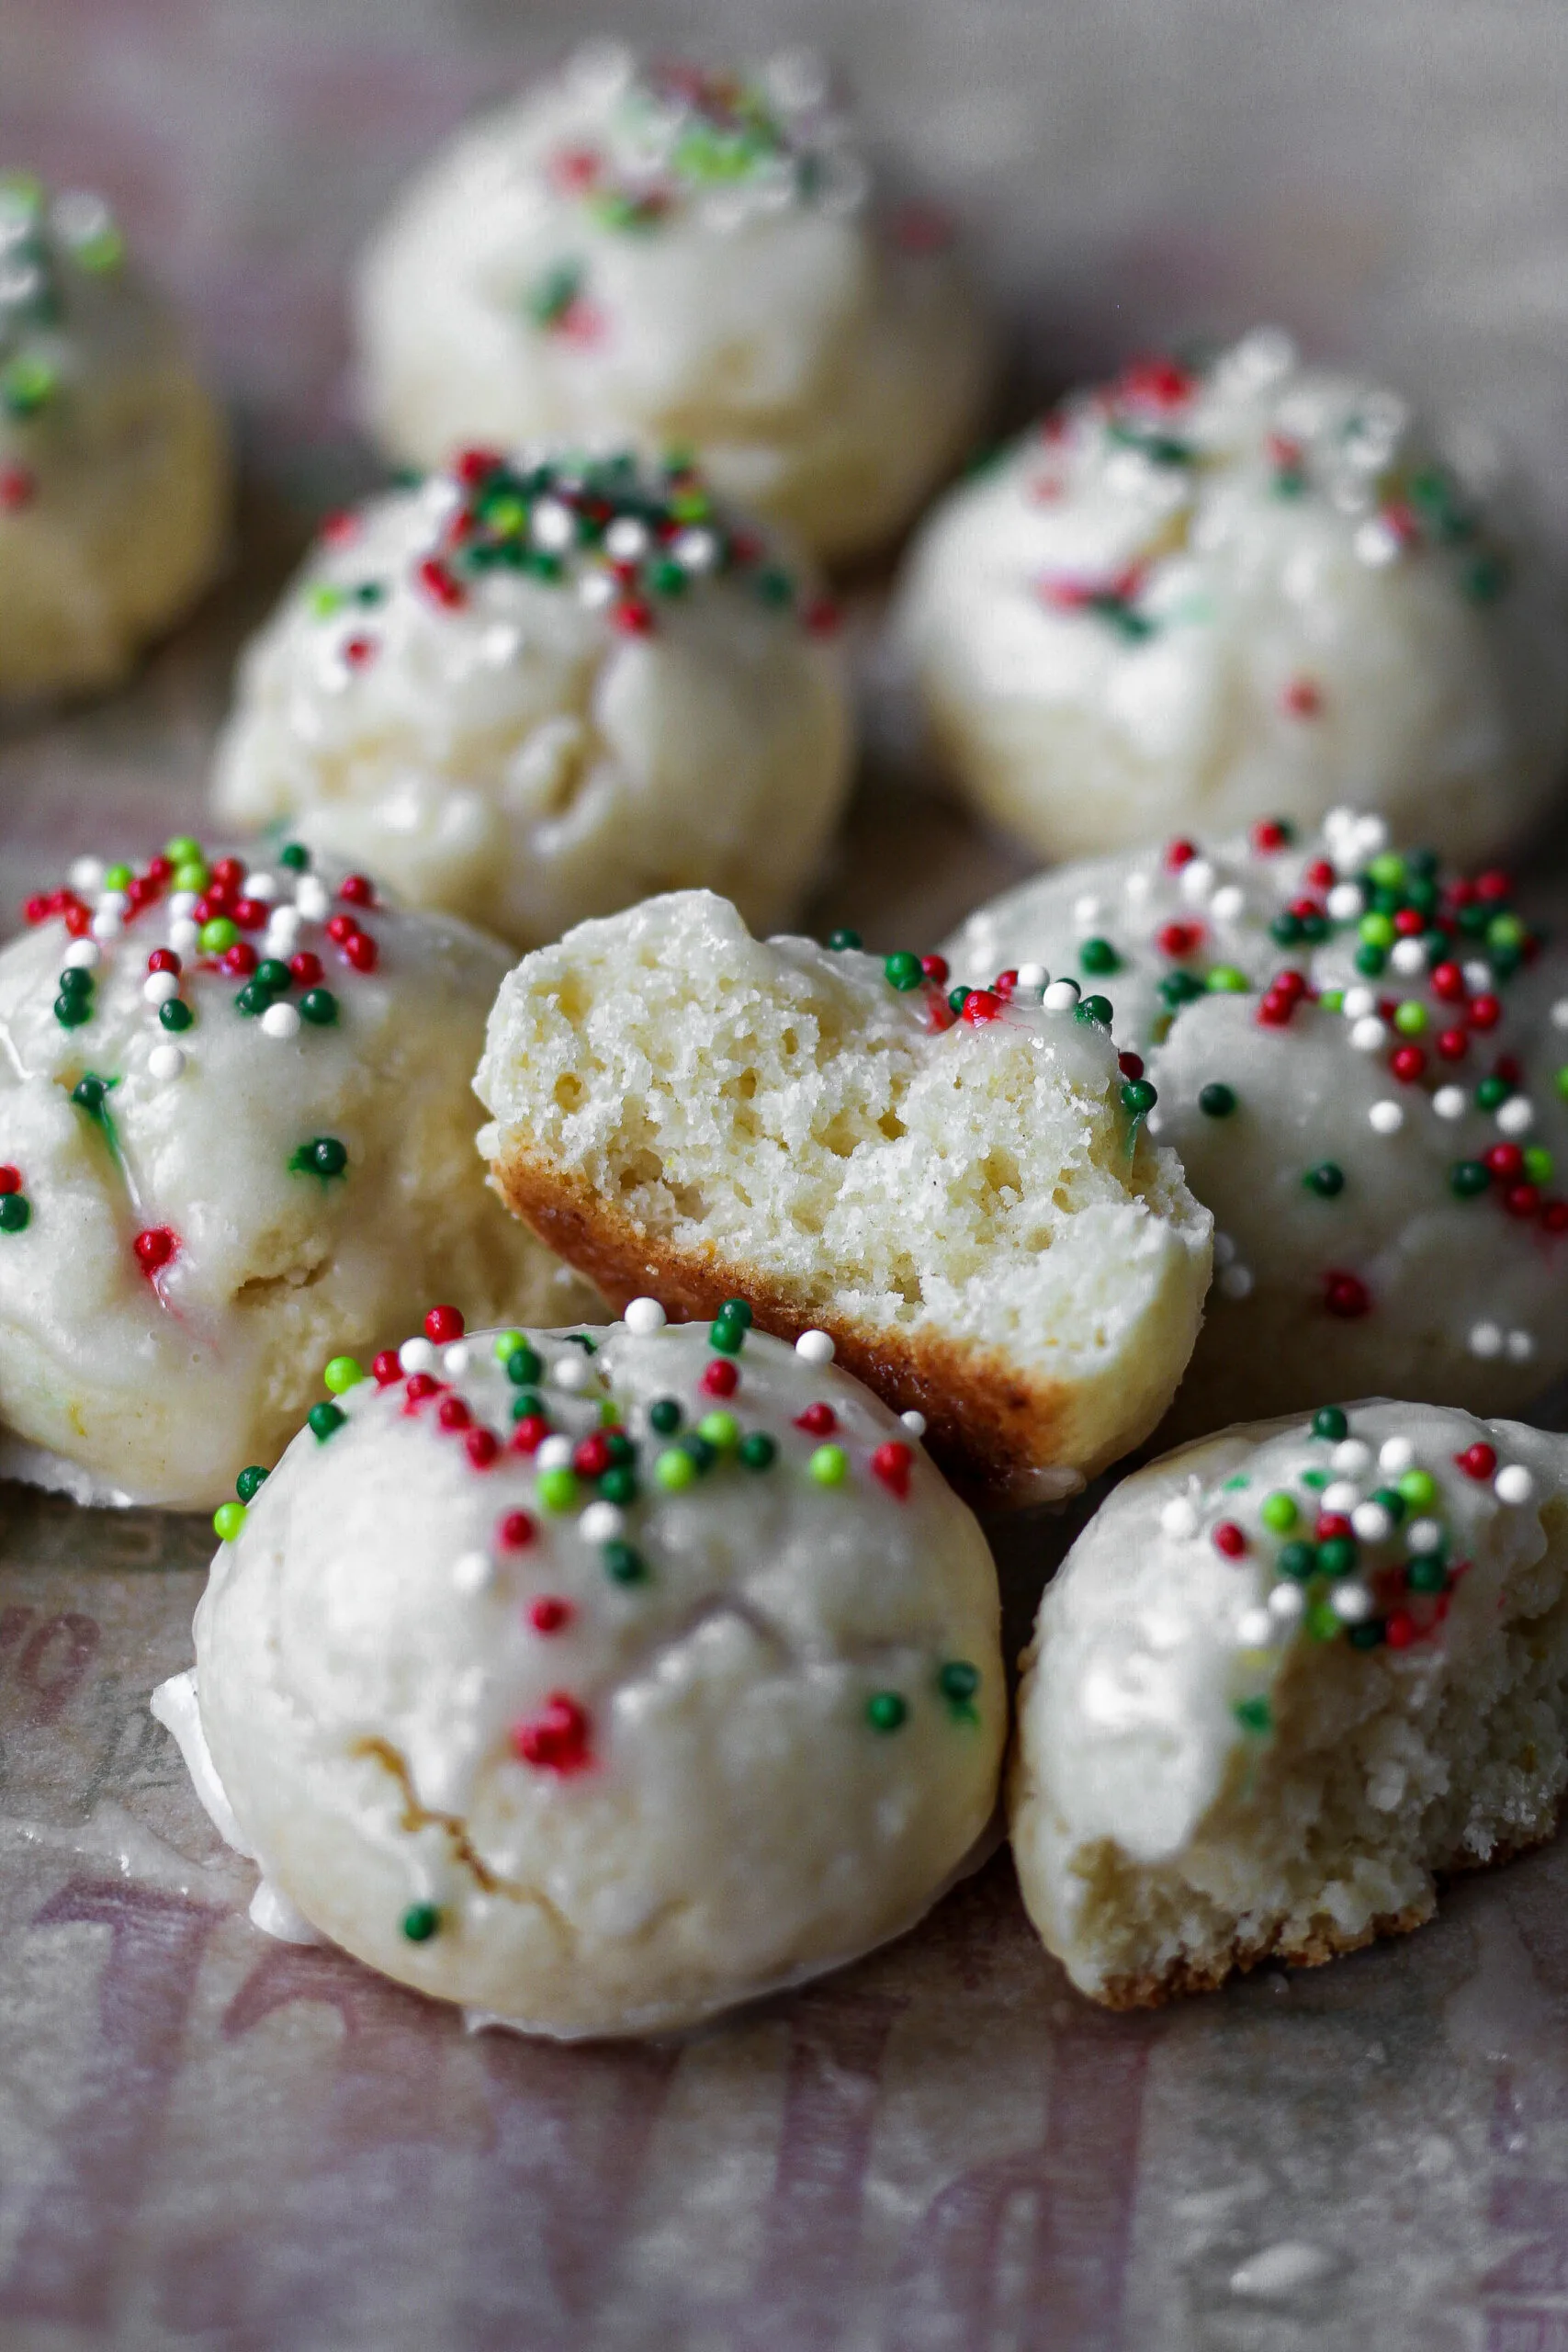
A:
[1284,1680]
[235,1129]
[541,688]
[1192,598]
[683,258]
[1361,1059]
[605,1766]
[965,1202]
[114,470]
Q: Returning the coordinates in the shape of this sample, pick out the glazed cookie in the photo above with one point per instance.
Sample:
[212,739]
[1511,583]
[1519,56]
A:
[235,1124]
[681,258]
[1196,597]
[114,471]
[1283,1682]
[599,1680]
[538,688]
[958,1191]
[1361,1061]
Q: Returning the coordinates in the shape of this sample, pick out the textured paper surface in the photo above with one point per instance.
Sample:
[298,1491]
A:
[213,2140]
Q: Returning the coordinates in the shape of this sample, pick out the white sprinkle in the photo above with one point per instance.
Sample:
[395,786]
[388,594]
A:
[1485,1339]
[183,936]
[1371,1522]
[1408,955]
[1397,1455]
[1424,1535]
[107,923]
[644,1317]
[471,1571]
[555,1454]
[1033,979]
[914,1422]
[1517,1115]
[1286,1602]
[1367,1036]
[694,550]
[1235,1282]
[311,898]
[1180,1516]
[1351,1603]
[280,1021]
[159,987]
[1253,1629]
[1356,1004]
[1061,995]
[165,1061]
[552,526]
[1153,1123]
[1352,1457]
[1343,1494]
[1478,977]
[1514,1485]
[416,1355]
[83,955]
[1086,908]
[1227,903]
[262,886]
[456,1358]
[626,540]
[283,930]
[595,590]
[1198,879]
[1450,1102]
[181,904]
[1225,1249]
[1385,1118]
[816,1346]
[1559,1013]
[1376,544]
[1521,1346]
[572,1372]
[1345,901]
[85,874]
[601,1523]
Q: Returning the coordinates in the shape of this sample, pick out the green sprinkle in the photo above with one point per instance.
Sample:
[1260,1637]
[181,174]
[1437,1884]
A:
[1338,1557]
[704,1455]
[1254,1715]
[886,1710]
[1320,1621]
[1365,1636]
[192,877]
[675,1470]
[250,1482]
[665,1416]
[721,1430]
[1095,1008]
[1277,1512]
[1225,979]
[323,1419]
[1329,1421]
[1427,1574]
[1377,931]
[15,1210]
[252,1000]
[1468,1179]
[294,855]
[421,1921]
[319,1006]
[1099,957]
[840,941]
[1410,1018]
[117,878]
[727,1336]
[1316,1479]
[176,1014]
[1138,1097]
[227,1521]
[525,1365]
[626,1563]
[271,974]
[1216,1101]
[528,1407]
[1539,1166]
[184,849]
[1327,1180]
[958,1681]
[902,971]
[1297,1561]
[506,1344]
[736,1310]
[76,981]
[323,1155]
[1491,1094]
[829,1465]
[1418,1488]
[618,1484]
[343,1372]
[218,934]
[73,1011]
[758,1450]
[557,1490]
[1392,1501]
[1370,960]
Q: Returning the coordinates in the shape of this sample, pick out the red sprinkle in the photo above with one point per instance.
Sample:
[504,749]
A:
[162,959]
[1554,1215]
[530,1433]
[1494,884]
[820,617]
[1522,1200]
[935,970]
[1407,1063]
[548,1615]
[358,651]
[1333,1526]
[1179,854]
[472,466]
[306,969]
[557,1740]
[452,1414]
[387,1368]
[1505,1161]
[1399,1630]
[443,1324]
[228,872]
[10,1178]
[1302,698]
[1485,1011]
[438,583]
[591,1458]
[1130,1065]
[481,1446]
[1179,938]
[817,1421]
[1347,1296]
[358,890]
[1270,835]
[892,1463]
[251,913]
[516,1531]
[341,928]
[1477,1462]
[720,1378]
[1407,922]
[240,960]
[632,617]
[1320,873]
[155,1248]
[980,1005]
[1452,1043]
[1229,1538]
[17,488]
[362,952]
[421,1385]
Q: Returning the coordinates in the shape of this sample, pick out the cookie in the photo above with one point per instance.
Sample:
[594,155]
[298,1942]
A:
[602,1680]
[235,1126]
[684,257]
[959,1190]
[540,687]
[1361,1059]
[1285,1681]
[114,468]
[1197,596]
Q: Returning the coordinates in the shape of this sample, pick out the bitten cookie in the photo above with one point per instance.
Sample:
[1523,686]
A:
[1284,1680]
[541,687]
[682,257]
[1361,1059]
[959,1192]
[235,1126]
[600,1679]
[114,470]
[1195,598]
